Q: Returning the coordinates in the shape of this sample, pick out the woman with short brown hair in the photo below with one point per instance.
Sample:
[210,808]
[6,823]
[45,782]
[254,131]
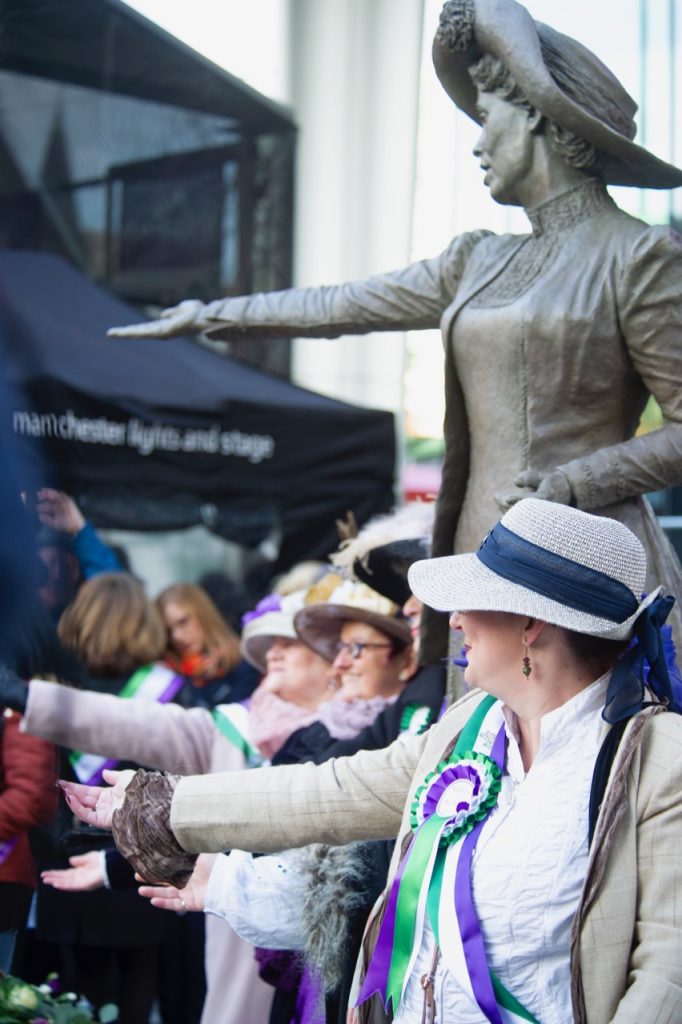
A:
[112,626]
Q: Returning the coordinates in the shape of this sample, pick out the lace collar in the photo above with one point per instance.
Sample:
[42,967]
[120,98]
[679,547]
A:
[564,211]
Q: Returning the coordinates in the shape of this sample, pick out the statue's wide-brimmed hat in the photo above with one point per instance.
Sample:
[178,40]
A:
[469,29]
[583,572]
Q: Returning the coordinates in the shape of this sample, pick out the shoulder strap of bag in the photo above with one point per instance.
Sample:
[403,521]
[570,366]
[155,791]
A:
[602,768]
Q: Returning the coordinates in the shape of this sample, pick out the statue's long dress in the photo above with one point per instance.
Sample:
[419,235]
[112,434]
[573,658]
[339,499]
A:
[551,355]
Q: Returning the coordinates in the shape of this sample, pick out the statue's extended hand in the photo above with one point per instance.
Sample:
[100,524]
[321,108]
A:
[192,897]
[532,484]
[95,805]
[185,318]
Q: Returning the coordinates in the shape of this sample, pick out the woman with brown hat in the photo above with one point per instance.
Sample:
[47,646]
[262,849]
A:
[558,336]
[272,901]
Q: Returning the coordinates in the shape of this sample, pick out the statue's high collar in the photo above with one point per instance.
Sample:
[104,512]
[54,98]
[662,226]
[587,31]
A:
[569,208]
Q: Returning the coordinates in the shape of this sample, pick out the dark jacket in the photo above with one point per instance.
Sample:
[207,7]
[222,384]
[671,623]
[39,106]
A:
[102,917]
[234,686]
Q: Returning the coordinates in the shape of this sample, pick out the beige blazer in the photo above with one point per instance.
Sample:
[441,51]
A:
[627,941]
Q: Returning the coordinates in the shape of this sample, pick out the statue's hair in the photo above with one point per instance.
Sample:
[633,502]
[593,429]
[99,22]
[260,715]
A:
[490,74]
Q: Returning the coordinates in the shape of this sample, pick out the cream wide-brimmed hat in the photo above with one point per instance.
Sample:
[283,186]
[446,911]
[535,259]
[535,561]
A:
[469,29]
[551,562]
[270,620]
[273,618]
[319,625]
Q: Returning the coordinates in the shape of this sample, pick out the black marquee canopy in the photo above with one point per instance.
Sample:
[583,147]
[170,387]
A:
[151,435]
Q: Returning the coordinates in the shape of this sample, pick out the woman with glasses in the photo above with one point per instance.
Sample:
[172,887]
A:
[370,645]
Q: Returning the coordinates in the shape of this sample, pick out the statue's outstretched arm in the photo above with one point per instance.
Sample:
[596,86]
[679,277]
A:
[408,299]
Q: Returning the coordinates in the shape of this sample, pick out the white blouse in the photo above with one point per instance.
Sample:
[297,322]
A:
[261,897]
[528,871]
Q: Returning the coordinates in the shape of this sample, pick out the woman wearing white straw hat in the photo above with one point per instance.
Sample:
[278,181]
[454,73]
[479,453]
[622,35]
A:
[537,871]
[561,333]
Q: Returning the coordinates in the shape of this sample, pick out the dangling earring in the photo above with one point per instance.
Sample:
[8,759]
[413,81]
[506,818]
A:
[526,663]
[333,683]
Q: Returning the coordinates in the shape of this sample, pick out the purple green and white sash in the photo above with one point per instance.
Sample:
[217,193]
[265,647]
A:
[233,722]
[153,683]
[448,812]
[7,847]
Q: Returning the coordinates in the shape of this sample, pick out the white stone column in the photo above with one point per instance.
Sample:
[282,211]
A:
[355,94]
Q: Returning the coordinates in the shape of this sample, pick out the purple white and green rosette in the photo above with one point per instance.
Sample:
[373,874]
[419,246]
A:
[448,812]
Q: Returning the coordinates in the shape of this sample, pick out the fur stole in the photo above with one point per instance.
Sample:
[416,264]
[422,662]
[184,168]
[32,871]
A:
[337,888]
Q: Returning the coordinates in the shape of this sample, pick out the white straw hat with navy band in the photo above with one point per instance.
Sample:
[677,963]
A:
[552,562]
[582,572]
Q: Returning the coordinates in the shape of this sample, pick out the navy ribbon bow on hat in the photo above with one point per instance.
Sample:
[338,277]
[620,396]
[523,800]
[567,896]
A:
[625,694]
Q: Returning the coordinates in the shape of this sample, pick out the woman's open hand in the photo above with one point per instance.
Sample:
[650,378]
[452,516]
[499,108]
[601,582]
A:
[84,875]
[192,897]
[95,805]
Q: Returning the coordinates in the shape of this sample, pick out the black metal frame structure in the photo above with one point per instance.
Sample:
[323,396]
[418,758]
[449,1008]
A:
[151,169]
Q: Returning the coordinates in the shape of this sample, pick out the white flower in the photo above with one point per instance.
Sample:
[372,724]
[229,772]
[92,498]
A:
[23,996]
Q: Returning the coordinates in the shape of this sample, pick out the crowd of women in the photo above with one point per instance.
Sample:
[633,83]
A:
[321,670]
[360,851]
[555,782]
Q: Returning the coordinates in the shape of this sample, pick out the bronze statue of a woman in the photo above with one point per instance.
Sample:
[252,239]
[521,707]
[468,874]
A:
[553,339]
